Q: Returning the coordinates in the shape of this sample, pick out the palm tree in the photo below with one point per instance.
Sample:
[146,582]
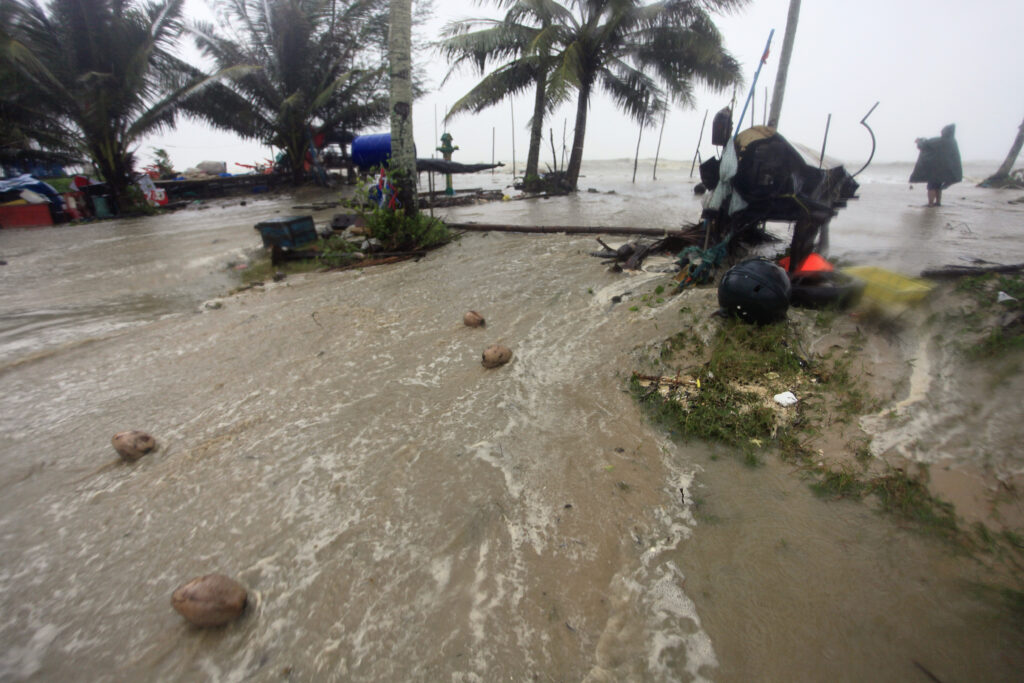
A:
[312,70]
[25,134]
[96,76]
[403,153]
[641,55]
[1002,175]
[522,42]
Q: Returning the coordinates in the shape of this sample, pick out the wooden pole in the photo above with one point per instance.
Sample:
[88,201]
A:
[828,123]
[696,152]
[764,121]
[512,111]
[570,229]
[565,123]
[657,152]
[493,139]
[554,154]
[636,157]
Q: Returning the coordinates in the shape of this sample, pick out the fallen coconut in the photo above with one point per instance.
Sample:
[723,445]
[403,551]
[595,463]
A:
[211,600]
[474,319]
[133,444]
[495,355]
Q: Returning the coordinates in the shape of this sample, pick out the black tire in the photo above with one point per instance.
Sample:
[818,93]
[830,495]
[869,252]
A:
[826,290]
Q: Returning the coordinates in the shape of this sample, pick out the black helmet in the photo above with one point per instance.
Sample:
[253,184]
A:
[756,290]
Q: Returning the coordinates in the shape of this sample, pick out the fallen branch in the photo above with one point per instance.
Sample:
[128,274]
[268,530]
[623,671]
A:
[952,272]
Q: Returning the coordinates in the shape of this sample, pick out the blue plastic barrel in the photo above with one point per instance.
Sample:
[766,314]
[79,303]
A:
[369,151]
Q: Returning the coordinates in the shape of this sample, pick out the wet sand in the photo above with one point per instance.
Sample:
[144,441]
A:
[397,511]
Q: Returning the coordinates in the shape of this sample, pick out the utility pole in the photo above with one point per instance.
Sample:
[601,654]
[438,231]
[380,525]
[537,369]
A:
[787,51]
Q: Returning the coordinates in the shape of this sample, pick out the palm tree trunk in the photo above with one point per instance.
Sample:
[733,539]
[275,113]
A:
[1004,170]
[787,51]
[536,130]
[576,156]
[113,169]
[403,155]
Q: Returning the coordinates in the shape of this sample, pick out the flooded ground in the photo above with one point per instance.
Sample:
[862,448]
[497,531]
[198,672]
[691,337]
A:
[400,513]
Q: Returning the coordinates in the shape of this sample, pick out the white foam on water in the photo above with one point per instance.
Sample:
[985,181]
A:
[24,661]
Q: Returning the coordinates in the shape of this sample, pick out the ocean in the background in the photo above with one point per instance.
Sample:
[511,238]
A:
[888,225]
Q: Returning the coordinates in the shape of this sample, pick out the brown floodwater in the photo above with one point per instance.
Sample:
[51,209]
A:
[397,511]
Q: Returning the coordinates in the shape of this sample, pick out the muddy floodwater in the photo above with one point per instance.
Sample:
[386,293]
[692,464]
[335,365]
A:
[397,511]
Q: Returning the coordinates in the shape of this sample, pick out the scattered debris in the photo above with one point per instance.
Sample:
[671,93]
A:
[496,355]
[785,399]
[474,319]
[133,444]
[211,600]
[950,272]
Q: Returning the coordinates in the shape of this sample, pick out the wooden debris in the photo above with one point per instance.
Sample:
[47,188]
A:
[572,229]
[952,272]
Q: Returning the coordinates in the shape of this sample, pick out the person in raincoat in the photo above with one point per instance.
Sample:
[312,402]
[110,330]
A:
[938,164]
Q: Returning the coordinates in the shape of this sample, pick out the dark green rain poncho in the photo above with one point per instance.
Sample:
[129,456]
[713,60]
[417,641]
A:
[939,160]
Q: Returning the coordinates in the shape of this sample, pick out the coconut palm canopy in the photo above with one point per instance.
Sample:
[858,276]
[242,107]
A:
[645,56]
[520,44]
[93,77]
[318,66]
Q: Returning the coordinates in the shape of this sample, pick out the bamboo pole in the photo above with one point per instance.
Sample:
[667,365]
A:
[696,152]
[828,123]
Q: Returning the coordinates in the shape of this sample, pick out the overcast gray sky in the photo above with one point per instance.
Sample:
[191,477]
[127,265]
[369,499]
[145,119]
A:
[928,63]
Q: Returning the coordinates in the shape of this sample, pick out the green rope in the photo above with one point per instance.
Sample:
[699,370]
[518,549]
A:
[701,263]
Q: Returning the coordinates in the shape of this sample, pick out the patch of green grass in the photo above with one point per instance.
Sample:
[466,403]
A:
[997,343]
[839,483]
[793,448]
[714,412]
[826,317]
[983,290]
[909,498]
[741,351]
[261,270]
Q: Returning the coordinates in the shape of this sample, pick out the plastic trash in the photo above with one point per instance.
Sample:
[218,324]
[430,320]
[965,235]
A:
[1003,296]
[786,399]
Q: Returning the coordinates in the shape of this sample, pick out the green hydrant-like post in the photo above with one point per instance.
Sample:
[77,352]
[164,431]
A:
[446,150]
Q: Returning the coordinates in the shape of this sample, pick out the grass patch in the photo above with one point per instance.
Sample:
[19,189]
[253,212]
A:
[261,270]
[909,498]
[741,351]
[714,412]
[727,400]
[987,313]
